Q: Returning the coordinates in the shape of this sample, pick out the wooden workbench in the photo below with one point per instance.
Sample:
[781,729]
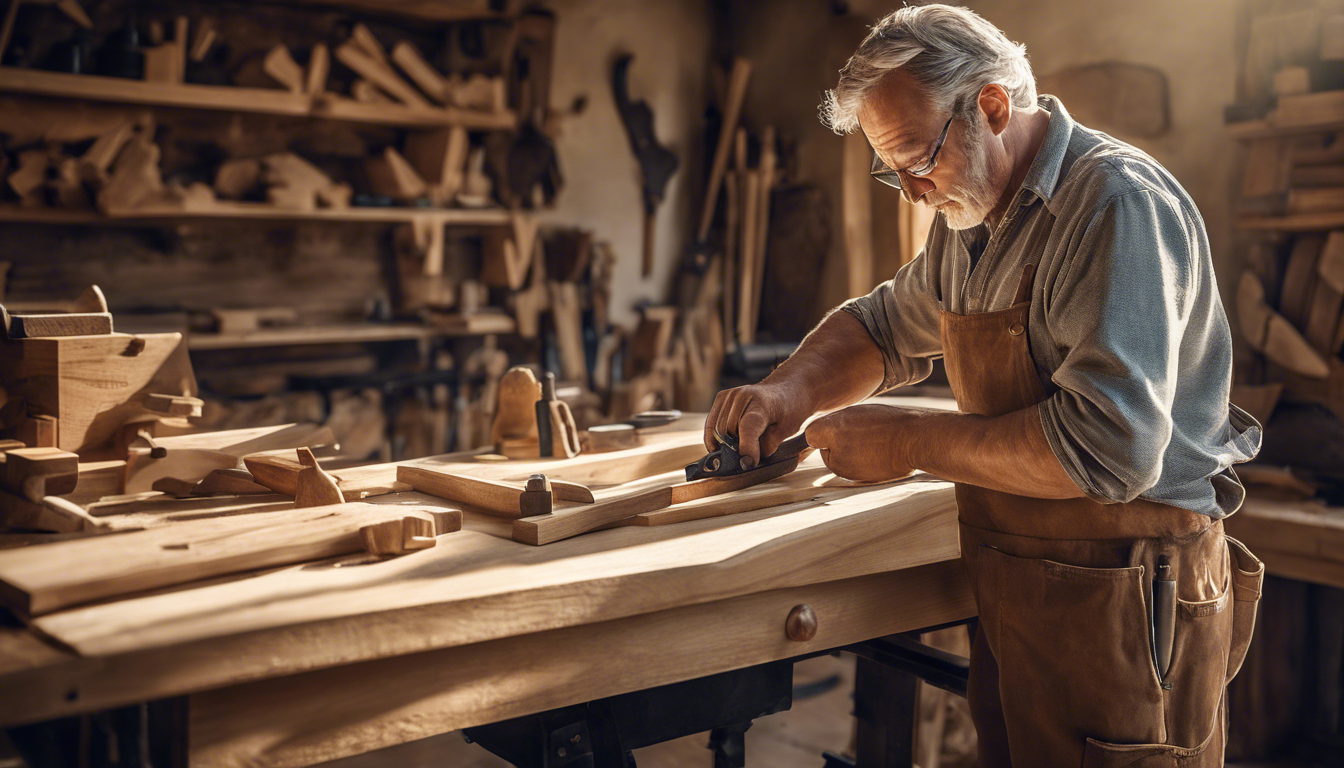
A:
[302,664]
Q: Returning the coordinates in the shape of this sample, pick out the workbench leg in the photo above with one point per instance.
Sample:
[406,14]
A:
[729,745]
[605,736]
[886,706]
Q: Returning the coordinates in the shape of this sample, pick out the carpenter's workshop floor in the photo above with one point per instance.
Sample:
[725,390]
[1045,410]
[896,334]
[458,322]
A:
[791,739]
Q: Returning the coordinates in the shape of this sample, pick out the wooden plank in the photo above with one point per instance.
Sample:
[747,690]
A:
[490,496]
[38,580]
[1300,278]
[271,723]
[380,74]
[737,93]
[594,578]
[408,57]
[1309,109]
[59,324]
[564,524]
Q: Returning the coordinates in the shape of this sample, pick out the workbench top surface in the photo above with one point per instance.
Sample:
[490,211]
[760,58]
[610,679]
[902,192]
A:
[477,587]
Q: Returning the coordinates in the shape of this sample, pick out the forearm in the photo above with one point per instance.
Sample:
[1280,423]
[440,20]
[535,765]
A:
[836,365]
[1006,453]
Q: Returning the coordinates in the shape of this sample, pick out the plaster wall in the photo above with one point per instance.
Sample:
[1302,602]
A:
[671,42]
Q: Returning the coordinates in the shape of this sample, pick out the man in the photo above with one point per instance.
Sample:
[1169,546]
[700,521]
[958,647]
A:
[1068,286]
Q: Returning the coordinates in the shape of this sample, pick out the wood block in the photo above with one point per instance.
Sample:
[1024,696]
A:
[55,325]
[229,481]
[174,406]
[280,65]
[1290,81]
[8,445]
[1299,278]
[235,178]
[314,487]
[1310,109]
[515,415]
[380,74]
[482,92]
[439,157]
[319,66]
[498,498]
[391,175]
[610,437]
[34,473]
[30,174]
[253,319]
[508,252]
[408,57]
[174,486]
[38,431]
[1316,200]
[161,63]
[135,176]
[365,40]
[1285,346]
[103,152]
[1268,164]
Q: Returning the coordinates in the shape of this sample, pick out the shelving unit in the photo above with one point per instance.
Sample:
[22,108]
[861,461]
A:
[1298,222]
[363,333]
[265,101]
[228,210]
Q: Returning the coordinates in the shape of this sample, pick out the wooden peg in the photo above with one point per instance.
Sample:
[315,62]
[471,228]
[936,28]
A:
[801,624]
[314,487]
[411,533]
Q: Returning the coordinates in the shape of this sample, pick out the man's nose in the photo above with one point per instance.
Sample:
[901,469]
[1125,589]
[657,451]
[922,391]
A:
[915,188]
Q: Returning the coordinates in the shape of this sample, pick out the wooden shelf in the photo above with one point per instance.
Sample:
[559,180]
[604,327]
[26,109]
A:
[266,101]
[1297,222]
[226,210]
[1265,129]
[363,333]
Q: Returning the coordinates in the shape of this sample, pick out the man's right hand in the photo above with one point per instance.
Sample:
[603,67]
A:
[836,365]
[761,415]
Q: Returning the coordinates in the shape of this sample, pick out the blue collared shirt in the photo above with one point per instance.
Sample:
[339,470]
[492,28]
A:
[1127,329]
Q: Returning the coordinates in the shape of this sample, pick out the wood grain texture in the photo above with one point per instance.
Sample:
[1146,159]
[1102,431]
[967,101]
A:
[38,580]
[476,586]
[74,324]
[272,723]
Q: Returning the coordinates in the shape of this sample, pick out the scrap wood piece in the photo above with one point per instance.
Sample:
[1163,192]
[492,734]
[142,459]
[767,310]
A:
[135,177]
[380,74]
[229,481]
[440,158]
[319,66]
[495,497]
[391,174]
[409,58]
[281,474]
[39,580]
[57,325]
[100,155]
[1286,346]
[554,527]
[410,533]
[362,37]
[737,91]
[515,414]
[34,473]
[282,67]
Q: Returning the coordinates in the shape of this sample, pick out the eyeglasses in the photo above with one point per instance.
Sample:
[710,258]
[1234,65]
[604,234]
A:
[892,177]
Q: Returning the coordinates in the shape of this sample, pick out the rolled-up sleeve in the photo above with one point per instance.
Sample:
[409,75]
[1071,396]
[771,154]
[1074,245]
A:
[1118,314]
[902,317]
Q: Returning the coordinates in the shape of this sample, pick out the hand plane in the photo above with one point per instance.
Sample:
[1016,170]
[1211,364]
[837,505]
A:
[725,461]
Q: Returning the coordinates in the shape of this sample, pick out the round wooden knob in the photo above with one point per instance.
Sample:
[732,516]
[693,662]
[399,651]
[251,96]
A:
[801,625]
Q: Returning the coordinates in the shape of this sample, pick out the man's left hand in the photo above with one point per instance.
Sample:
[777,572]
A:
[867,443]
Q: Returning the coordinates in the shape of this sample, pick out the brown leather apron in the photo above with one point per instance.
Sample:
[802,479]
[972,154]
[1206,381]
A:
[1063,671]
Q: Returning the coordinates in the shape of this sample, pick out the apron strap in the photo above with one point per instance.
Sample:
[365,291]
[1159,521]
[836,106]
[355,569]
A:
[1024,285]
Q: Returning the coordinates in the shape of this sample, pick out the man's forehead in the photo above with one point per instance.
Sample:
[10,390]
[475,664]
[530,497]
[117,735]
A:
[896,114]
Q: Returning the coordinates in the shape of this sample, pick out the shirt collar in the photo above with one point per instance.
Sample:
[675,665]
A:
[1043,176]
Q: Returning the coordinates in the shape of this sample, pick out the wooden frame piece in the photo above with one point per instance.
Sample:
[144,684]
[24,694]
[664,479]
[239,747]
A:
[491,496]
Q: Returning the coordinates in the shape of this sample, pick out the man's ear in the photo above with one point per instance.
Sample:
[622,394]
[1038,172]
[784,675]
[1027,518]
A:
[997,106]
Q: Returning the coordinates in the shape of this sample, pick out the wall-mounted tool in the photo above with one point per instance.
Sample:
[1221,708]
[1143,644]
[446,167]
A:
[657,163]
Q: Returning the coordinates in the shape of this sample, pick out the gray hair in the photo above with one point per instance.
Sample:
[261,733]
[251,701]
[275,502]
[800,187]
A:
[951,52]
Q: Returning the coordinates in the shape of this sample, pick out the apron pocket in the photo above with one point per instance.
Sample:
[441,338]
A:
[1101,754]
[1248,575]
[1199,658]
[1072,645]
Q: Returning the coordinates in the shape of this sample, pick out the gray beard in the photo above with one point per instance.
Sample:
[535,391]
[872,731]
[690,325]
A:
[969,202]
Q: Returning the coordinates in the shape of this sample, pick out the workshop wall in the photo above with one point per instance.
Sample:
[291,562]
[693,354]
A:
[671,45]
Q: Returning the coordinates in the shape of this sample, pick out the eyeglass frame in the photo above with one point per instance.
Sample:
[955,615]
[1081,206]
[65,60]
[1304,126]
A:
[891,177]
